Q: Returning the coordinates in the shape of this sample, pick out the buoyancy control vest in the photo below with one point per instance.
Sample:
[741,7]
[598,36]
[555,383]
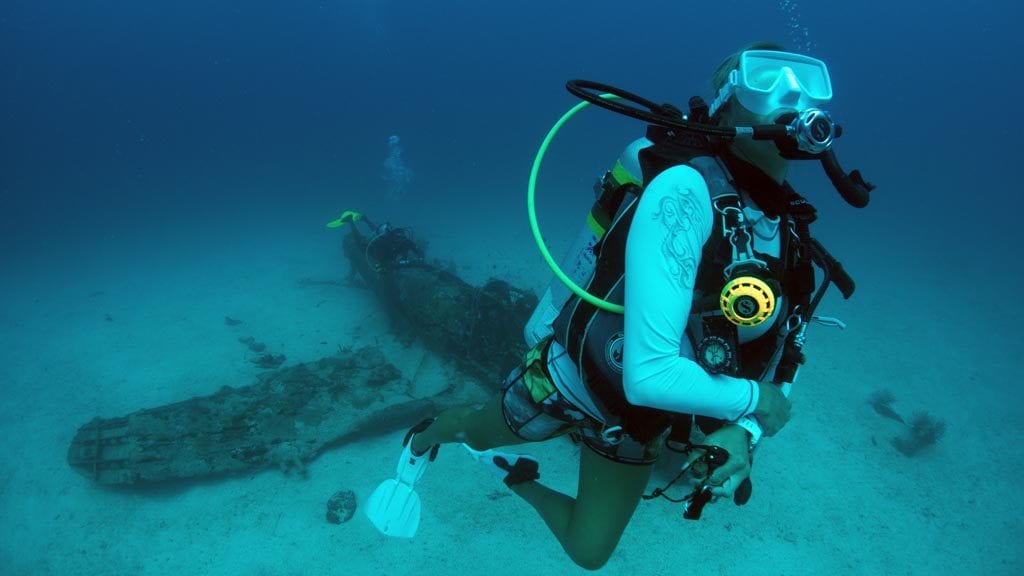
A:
[594,338]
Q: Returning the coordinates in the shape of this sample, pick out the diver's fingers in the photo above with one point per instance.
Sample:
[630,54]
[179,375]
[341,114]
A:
[725,480]
[726,488]
[724,472]
[693,456]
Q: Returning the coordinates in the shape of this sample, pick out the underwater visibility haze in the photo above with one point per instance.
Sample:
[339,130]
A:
[180,191]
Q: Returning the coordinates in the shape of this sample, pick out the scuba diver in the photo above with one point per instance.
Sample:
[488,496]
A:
[388,247]
[700,278]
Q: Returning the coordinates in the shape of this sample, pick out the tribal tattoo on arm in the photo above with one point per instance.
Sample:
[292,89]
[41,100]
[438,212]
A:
[677,214]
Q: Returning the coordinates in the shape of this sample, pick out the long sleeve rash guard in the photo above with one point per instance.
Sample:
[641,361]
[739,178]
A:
[663,250]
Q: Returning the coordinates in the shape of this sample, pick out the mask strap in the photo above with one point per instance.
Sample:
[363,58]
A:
[725,92]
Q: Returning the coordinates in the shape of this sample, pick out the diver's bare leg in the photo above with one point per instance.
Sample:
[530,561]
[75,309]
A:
[482,428]
[590,525]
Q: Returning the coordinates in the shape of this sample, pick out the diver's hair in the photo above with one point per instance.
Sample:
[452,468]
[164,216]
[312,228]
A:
[732,61]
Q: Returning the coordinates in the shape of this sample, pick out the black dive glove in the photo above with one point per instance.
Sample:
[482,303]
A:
[524,470]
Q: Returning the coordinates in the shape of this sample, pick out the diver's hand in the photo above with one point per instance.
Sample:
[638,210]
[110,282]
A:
[772,408]
[728,477]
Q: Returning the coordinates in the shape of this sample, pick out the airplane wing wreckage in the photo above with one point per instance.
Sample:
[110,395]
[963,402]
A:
[289,415]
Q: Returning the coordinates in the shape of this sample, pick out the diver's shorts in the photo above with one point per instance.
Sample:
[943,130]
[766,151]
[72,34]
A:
[535,411]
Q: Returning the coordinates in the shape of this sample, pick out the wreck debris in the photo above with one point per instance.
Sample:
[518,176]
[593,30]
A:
[252,344]
[284,419]
[290,415]
[479,329]
[268,361]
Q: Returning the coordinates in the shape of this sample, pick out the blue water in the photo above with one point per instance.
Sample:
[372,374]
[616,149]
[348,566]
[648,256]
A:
[190,152]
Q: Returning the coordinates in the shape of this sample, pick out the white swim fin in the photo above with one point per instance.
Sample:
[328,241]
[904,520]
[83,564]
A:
[394,507]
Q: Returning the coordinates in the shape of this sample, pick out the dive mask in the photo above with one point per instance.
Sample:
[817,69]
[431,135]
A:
[768,80]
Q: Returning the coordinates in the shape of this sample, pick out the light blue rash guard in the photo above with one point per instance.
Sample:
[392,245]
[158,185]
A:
[671,225]
[663,250]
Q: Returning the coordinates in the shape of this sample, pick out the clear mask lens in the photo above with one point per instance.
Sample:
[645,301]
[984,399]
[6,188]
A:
[768,80]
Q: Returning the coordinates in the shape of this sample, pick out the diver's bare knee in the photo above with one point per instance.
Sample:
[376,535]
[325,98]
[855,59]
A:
[589,558]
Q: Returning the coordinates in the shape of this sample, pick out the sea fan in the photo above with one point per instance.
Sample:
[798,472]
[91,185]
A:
[881,401]
[923,430]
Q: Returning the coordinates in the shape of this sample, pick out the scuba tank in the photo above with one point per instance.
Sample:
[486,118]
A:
[580,260]
[578,264]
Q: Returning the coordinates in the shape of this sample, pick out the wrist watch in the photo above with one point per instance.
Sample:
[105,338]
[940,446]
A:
[752,426]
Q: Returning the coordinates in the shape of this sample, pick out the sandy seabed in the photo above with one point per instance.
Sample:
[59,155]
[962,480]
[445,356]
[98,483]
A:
[117,324]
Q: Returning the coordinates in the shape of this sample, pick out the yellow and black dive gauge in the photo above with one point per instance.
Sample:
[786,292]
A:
[747,300]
